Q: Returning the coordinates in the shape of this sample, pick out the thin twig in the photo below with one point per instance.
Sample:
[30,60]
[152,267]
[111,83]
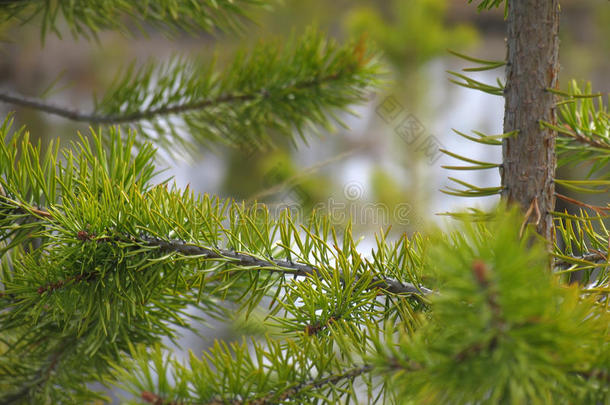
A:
[93,118]
[586,140]
[533,207]
[598,209]
[25,208]
[594,257]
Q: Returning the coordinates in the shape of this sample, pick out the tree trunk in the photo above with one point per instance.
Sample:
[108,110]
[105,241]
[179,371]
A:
[529,157]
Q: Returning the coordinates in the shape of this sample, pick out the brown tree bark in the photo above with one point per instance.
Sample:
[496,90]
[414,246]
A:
[529,157]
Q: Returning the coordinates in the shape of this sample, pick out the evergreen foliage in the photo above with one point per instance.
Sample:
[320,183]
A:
[275,88]
[100,261]
[504,330]
[489,4]
[87,18]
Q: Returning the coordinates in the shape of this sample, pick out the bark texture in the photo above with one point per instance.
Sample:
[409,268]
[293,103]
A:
[529,157]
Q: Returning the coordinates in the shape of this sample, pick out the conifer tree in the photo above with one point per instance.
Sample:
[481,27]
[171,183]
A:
[98,263]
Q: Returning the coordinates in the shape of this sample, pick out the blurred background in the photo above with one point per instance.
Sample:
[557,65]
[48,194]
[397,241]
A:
[384,168]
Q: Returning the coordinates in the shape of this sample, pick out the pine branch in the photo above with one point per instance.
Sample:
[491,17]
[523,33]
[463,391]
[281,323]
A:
[80,258]
[583,129]
[587,140]
[592,257]
[185,248]
[41,377]
[284,89]
[276,266]
[199,220]
[585,246]
[489,4]
[272,398]
[162,111]
[117,260]
[255,372]
[87,18]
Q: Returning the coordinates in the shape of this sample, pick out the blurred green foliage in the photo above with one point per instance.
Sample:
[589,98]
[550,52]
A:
[409,32]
